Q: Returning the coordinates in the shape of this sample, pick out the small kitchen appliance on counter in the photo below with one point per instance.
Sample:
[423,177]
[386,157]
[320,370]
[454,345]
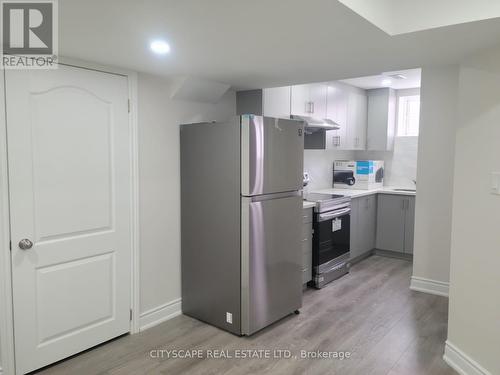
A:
[331,237]
[358,174]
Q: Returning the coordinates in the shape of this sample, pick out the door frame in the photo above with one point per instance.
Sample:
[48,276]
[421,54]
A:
[7,354]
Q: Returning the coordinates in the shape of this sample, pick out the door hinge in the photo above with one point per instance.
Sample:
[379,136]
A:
[130,314]
[128,104]
[10,245]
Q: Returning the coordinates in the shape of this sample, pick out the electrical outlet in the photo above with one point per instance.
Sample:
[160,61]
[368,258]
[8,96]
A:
[229,318]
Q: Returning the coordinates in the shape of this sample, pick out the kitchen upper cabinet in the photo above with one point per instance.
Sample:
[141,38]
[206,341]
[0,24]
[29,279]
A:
[381,119]
[276,102]
[395,222]
[347,106]
[318,98]
[363,225]
[309,100]
[357,117]
[301,101]
[337,104]
[272,102]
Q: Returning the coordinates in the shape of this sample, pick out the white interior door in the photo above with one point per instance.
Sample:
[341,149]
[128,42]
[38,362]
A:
[69,174]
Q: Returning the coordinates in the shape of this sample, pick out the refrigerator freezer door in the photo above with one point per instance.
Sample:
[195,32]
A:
[272,155]
[271,259]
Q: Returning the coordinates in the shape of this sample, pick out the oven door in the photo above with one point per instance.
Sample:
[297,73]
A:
[331,238]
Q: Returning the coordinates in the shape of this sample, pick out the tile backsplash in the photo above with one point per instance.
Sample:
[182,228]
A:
[319,164]
[400,164]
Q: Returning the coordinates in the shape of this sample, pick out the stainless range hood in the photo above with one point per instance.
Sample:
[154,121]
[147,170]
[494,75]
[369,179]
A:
[315,124]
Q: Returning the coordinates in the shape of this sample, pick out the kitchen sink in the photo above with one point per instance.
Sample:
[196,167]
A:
[409,190]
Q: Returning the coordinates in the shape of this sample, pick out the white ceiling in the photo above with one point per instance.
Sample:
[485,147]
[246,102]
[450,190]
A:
[405,16]
[411,81]
[258,43]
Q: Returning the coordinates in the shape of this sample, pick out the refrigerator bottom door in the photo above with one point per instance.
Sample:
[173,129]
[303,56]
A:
[271,259]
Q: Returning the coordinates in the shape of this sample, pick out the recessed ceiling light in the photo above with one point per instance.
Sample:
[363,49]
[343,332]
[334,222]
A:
[386,82]
[160,47]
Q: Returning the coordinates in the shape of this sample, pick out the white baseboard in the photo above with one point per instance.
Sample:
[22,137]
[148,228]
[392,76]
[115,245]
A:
[438,288]
[159,314]
[461,362]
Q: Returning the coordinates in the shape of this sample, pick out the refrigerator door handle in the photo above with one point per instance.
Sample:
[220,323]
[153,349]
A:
[267,197]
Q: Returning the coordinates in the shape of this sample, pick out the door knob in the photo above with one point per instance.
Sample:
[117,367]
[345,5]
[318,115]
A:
[25,244]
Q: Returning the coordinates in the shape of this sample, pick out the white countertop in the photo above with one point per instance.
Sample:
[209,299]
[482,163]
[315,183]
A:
[360,193]
[307,204]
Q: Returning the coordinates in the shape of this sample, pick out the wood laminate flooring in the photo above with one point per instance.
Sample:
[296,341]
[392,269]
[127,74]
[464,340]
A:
[370,313]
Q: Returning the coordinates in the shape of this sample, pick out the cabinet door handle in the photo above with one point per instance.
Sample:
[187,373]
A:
[312,107]
[336,140]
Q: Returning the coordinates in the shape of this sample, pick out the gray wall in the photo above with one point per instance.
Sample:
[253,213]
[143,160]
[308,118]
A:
[474,312]
[436,151]
[159,171]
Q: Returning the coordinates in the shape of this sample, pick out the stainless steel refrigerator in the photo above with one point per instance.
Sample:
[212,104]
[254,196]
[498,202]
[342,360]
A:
[241,205]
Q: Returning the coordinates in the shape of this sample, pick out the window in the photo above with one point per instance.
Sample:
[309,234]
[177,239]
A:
[408,115]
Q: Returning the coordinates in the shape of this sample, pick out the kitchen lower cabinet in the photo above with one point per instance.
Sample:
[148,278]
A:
[395,223]
[307,229]
[409,225]
[363,225]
